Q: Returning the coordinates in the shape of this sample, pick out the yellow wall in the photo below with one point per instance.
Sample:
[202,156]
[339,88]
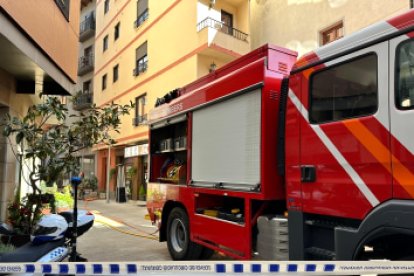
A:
[296,24]
[46,25]
[177,55]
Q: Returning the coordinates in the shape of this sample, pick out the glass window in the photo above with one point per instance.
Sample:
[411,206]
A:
[404,94]
[64,6]
[343,91]
[105,43]
[140,115]
[142,12]
[106,6]
[117,31]
[333,33]
[104,77]
[141,63]
[115,73]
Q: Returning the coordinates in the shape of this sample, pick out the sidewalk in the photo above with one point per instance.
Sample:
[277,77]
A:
[120,233]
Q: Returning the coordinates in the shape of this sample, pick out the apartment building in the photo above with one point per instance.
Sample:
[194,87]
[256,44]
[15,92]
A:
[143,50]
[303,25]
[38,53]
[86,64]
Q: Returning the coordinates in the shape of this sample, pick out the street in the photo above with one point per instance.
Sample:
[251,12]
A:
[120,233]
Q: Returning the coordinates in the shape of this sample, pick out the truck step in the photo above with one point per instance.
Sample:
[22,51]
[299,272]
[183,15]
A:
[321,223]
[317,253]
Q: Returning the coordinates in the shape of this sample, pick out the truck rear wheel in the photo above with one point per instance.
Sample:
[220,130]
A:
[178,237]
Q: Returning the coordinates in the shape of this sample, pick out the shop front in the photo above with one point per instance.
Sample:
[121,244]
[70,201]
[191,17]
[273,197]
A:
[136,171]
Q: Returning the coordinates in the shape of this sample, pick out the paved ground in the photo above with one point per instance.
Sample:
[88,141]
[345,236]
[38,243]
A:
[120,233]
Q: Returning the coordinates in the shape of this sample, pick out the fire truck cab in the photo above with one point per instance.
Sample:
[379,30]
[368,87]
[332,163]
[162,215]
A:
[292,159]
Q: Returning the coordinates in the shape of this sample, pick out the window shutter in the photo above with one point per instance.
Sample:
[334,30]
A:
[142,6]
[142,50]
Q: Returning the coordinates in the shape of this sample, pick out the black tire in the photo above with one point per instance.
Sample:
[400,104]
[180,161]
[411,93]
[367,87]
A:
[178,237]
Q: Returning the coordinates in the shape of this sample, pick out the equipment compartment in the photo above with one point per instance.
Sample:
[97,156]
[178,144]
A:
[224,208]
[169,152]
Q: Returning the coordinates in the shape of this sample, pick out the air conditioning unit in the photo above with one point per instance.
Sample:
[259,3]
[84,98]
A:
[135,72]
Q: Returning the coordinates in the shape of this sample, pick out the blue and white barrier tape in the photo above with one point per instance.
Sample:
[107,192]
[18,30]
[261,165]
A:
[216,267]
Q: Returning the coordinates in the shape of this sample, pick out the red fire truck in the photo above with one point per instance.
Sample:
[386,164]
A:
[292,159]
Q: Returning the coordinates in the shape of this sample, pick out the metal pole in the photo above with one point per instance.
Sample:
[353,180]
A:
[108,173]
[73,254]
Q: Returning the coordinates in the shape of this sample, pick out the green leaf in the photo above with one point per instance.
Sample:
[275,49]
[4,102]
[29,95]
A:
[19,137]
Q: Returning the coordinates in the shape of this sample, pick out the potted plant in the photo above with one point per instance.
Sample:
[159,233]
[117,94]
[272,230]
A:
[44,135]
[89,186]
[142,194]
[131,172]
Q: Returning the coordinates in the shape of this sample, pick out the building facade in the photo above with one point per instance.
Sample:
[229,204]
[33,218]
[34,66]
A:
[303,25]
[38,53]
[84,88]
[143,50]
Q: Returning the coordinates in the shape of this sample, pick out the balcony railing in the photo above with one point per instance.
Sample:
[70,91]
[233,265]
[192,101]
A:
[140,68]
[141,18]
[86,64]
[83,100]
[218,25]
[140,120]
[87,28]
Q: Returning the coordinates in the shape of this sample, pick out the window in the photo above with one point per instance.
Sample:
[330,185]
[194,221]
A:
[87,87]
[227,19]
[332,33]
[140,115]
[105,43]
[106,6]
[64,7]
[142,12]
[117,30]
[141,59]
[115,72]
[343,91]
[404,88]
[104,77]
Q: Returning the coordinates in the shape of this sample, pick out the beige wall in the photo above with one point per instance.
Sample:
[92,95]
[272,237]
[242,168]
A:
[15,105]
[175,51]
[18,103]
[45,24]
[86,11]
[296,24]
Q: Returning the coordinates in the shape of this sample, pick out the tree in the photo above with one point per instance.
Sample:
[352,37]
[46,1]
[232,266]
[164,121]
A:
[45,137]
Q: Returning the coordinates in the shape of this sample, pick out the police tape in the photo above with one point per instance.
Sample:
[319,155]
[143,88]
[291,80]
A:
[211,267]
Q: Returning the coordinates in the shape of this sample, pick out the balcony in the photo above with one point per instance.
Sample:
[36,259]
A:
[140,120]
[86,64]
[220,26]
[221,36]
[141,67]
[87,28]
[82,100]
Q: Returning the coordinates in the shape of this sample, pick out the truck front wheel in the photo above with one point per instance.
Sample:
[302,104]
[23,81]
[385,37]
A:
[178,237]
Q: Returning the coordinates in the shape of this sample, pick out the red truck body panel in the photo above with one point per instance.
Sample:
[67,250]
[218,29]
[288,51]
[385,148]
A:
[339,171]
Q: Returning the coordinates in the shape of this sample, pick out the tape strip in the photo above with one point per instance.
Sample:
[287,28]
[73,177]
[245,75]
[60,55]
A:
[224,268]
